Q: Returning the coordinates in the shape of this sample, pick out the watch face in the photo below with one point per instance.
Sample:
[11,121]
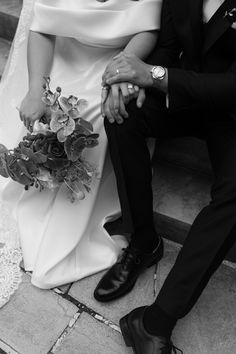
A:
[158,72]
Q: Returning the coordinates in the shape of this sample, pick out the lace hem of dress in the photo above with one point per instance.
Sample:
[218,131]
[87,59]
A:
[10,255]
[10,273]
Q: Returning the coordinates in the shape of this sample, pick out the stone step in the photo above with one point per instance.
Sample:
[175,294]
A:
[188,152]
[9,16]
[179,194]
[5,46]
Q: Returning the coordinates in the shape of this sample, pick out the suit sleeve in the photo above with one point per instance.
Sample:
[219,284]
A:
[189,90]
[168,49]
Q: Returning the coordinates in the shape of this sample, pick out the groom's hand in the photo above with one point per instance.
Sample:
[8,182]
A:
[128,67]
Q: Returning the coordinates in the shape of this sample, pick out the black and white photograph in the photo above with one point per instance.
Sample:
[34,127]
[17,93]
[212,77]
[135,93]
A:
[117,176]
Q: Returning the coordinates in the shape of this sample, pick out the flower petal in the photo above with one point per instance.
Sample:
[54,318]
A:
[55,107]
[40,127]
[61,136]
[74,113]
[69,127]
[49,98]
[58,121]
[64,104]
[85,124]
[72,100]
[82,105]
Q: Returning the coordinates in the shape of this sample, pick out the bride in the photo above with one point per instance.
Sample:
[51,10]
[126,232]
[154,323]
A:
[72,41]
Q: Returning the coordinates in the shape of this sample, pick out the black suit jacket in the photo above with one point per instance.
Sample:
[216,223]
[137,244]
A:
[201,61]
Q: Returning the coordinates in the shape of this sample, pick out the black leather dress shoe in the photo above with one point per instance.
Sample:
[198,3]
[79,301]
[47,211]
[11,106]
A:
[140,340]
[121,277]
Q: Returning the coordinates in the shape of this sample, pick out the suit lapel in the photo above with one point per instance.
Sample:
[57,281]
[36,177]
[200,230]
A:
[187,15]
[219,23]
[194,30]
[196,8]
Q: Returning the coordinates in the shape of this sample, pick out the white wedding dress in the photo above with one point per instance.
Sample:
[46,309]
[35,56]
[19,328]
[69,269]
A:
[62,241]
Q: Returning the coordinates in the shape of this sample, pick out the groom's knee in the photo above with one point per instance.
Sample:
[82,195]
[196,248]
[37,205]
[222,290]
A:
[130,124]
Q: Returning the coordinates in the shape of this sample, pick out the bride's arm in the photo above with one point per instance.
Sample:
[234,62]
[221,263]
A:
[142,44]
[40,58]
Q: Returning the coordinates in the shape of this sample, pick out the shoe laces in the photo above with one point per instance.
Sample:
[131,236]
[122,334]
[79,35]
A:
[129,255]
[170,348]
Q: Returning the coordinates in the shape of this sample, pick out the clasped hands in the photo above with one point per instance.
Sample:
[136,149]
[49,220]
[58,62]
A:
[123,80]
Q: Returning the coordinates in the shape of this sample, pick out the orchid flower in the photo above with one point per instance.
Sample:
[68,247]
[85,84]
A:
[50,98]
[62,124]
[73,106]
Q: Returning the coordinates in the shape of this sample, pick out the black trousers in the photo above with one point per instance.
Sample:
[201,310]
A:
[214,230]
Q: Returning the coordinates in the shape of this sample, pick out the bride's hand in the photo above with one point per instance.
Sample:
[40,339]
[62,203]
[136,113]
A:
[109,107]
[114,100]
[31,109]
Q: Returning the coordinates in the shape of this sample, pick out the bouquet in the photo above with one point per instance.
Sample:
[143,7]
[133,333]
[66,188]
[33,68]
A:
[52,154]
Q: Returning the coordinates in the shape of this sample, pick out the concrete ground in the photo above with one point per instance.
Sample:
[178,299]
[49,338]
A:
[68,320]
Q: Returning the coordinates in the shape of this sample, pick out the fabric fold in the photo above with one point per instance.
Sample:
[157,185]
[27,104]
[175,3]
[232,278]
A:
[92,22]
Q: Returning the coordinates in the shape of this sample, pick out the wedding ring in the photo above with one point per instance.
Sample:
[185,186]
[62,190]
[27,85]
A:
[130,86]
[105,88]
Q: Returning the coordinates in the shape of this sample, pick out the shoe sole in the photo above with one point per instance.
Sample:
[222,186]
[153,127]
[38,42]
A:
[130,287]
[126,333]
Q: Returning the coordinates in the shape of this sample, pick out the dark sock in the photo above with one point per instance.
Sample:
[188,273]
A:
[157,322]
[147,241]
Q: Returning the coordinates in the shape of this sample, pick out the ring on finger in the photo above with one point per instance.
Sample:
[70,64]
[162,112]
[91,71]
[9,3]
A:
[130,86]
[105,88]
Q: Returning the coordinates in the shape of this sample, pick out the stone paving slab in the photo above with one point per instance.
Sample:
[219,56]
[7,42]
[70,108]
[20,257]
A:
[65,288]
[179,193]
[11,7]
[91,337]
[9,16]
[140,295]
[209,329]
[33,319]
[6,349]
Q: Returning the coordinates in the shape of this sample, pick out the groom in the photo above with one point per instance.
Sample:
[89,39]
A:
[191,90]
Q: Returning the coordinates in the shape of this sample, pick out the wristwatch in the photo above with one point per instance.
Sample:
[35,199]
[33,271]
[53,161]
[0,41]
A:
[158,72]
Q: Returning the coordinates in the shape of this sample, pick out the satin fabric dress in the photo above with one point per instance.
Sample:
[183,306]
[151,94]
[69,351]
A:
[63,241]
